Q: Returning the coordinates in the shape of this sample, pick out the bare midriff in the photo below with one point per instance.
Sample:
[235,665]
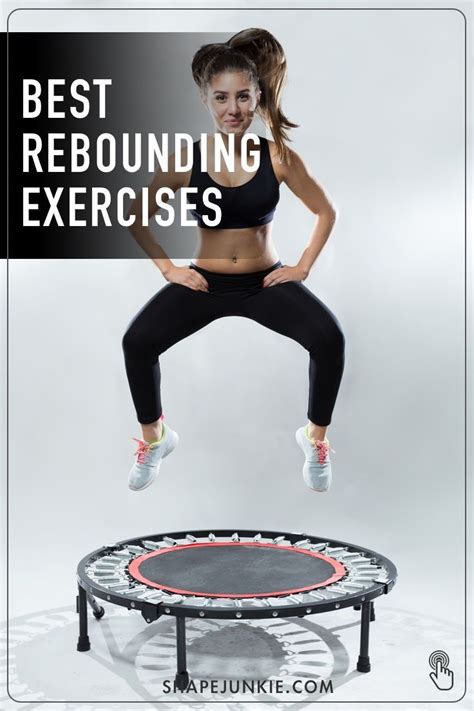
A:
[236,251]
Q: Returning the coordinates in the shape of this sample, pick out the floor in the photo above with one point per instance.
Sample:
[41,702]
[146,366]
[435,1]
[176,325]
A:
[132,662]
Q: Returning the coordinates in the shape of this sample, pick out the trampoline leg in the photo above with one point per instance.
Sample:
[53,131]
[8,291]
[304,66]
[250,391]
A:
[363,663]
[83,643]
[372,611]
[182,676]
[98,610]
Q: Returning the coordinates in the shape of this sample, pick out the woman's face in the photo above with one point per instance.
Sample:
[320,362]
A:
[232,99]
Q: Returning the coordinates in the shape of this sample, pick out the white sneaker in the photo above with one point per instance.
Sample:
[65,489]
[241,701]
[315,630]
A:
[317,472]
[149,457]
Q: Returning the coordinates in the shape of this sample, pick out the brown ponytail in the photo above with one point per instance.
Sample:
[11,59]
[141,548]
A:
[258,53]
[264,50]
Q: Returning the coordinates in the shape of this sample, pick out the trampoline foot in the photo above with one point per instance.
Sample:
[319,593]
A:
[83,644]
[182,680]
[363,664]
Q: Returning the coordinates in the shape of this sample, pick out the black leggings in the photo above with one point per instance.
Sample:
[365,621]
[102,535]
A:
[177,311]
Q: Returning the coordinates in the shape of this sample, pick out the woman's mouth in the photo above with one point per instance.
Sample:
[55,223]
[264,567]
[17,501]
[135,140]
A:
[233,122]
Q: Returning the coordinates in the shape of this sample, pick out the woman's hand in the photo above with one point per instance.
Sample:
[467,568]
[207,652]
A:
[187,277]
[285,273]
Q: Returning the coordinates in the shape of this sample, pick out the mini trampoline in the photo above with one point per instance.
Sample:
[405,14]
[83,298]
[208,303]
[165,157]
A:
[232,574]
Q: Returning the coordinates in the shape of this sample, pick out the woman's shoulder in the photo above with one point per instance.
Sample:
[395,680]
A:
[290,152]
[281,165]
[272,147]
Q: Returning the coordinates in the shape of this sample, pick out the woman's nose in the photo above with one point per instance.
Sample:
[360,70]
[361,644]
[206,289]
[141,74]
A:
[233,107]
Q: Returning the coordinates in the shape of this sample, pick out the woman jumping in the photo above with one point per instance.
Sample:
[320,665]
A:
[237,271]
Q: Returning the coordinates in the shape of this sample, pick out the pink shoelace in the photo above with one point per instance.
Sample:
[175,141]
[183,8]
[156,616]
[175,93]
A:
[142,450]
[143,447]
[323,450]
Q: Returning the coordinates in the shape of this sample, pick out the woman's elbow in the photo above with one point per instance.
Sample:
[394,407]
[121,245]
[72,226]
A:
[329,211]
[332,211]
[134,219]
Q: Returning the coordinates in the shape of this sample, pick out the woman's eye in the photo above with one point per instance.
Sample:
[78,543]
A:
[244,97]
[220,98]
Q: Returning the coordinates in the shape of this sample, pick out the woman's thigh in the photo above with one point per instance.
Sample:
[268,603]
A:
[294,311]
[172,314]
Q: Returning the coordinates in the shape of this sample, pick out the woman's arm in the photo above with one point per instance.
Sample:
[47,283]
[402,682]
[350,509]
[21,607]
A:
[302,183]
[144,236]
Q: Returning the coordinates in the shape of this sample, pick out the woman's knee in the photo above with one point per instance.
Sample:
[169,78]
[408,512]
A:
[136,343]
[329,341]
[338,341]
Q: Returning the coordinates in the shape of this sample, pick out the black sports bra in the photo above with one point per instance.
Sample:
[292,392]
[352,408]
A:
[249,205]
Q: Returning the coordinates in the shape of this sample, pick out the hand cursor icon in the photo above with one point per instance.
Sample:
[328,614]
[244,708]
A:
[442,677]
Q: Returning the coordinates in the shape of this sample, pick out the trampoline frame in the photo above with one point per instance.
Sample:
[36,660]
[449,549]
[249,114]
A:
[363,600]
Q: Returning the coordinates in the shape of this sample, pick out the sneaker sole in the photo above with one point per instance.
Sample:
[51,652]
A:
[149,483]
[320,491]
[174,439]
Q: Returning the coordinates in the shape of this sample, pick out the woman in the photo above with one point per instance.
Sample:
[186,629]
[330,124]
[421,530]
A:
[237,270]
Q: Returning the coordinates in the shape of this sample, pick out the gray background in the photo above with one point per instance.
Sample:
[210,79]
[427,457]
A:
[380,99]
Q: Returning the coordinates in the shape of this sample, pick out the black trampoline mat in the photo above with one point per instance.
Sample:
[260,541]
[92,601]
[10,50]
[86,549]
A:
[235,569]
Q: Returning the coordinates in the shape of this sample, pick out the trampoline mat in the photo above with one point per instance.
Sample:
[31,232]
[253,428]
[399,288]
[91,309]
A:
[235,569]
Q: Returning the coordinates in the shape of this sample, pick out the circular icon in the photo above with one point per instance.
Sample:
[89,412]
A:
[438,656]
